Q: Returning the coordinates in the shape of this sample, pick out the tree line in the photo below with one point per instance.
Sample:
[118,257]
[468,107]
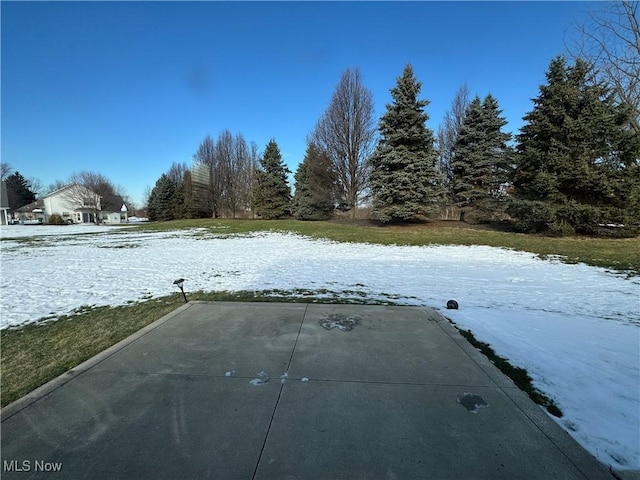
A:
[573,167]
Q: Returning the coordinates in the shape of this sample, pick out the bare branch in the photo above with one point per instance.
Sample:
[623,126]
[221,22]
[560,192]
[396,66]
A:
[86,190]
[610,41]
[223,174]
[176,172]
[5,170]
[450,128]
[347,133]
[35,185]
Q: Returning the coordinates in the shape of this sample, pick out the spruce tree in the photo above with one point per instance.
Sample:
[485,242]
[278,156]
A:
[404,181]
[272,195]
[186,186]
[315,179]
[481,160]
[577,159]
[161,203]
[19,192]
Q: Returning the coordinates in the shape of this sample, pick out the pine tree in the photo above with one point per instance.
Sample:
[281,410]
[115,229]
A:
[161,204]
[315,179]
[577,160]
[272,195]
[404,180]
[447,137]
[481,160]
[188,207]
[18,191]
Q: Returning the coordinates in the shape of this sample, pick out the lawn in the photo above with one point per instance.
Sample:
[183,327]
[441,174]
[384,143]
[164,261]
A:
[517,306]
[36,353]
[617,254]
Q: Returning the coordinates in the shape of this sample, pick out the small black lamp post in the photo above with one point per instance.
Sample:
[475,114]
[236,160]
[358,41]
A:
[179,284]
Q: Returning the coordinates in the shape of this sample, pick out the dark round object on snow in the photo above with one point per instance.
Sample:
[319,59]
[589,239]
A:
[452,305]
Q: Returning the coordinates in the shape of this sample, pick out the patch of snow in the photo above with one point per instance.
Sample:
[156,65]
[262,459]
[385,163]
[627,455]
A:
[262,379]
[575,328]
[22,231]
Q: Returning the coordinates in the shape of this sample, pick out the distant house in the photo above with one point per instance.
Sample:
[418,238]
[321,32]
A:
[4,204]
[75,204]
[30,213]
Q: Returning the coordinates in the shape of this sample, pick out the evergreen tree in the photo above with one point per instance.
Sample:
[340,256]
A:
[183,204]
[18,191]
[188,207]
[179,210]
[272,195]
[577,162]
[161,204]
[315,179]
[481,159]
[404,180]
[447,137]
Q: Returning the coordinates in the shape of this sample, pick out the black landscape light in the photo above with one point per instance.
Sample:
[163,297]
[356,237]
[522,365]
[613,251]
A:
[179,284]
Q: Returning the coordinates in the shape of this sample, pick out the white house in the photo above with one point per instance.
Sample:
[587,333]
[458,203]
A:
[75,204]
[4,204]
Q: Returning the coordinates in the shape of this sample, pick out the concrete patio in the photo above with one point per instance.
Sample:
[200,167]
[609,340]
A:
[288,391]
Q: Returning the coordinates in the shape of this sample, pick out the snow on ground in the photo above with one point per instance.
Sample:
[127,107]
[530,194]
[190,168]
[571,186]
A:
[575,328]
[24,231]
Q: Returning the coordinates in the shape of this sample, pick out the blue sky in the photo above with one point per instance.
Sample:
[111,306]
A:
[127,88]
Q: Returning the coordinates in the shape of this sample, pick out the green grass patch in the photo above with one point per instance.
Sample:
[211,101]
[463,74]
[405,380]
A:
[519,375]
[37,353]
[621,255]
[34,354]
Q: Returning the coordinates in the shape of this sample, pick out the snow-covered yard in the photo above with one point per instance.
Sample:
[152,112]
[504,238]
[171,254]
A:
[575,328]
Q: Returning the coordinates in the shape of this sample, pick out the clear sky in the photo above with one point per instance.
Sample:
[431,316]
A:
[127,88]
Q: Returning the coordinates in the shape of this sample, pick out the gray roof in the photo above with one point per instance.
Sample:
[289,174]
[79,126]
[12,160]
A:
[111,203]
[30,207]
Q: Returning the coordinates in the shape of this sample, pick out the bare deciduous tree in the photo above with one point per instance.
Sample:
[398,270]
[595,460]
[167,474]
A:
[36,186]
[146,195]
[87,190]
[96,182]
[245,162]
[610,40]
[223,174]
[5,170]
[227,169]
[347,133]
[57,185]
[176,172]
[450,128]
[448,132]
[205,179]
[248,176]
